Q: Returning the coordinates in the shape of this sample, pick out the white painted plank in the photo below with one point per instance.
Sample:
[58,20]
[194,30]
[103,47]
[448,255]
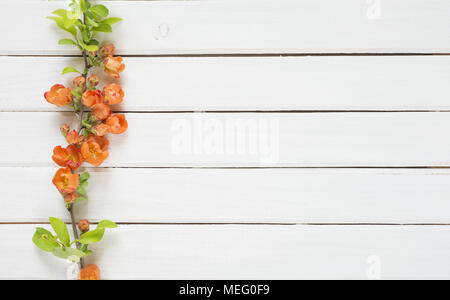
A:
[245,252]
[245,26]
[264,139]
[247,83]
[236,196]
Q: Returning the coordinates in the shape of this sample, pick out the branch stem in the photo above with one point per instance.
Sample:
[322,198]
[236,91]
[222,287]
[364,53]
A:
[87,66]
[75,232]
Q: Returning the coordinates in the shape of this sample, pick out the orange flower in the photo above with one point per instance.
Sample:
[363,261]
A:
[73,137]
[117,123]
[79,81]
[92,97]
[101,111]
[65,181]
[59,95]
[91,272]
[93,153]
[107,50]
[101,129]
[113,94]
[113,66]
[71,198]
[101,140]
[69,157]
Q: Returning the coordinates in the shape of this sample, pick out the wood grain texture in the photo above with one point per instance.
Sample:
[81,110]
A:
[263,140]
[236,196]
[245,252]
[233,27]
[247,83]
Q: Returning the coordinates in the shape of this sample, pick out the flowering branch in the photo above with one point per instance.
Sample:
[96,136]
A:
[88,143]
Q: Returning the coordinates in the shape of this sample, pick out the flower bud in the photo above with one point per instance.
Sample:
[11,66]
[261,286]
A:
[79,81]
[70,198]
[93,81]
[65,129]
[107,50]
[83,225]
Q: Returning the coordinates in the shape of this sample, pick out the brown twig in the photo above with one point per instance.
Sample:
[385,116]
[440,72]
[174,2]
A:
[75,232]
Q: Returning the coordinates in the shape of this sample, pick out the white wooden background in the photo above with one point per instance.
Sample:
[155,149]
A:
[363,105]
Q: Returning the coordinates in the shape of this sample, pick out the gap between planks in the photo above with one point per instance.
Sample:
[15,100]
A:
[240,55]
[240,223]
[237,167]
[287,111]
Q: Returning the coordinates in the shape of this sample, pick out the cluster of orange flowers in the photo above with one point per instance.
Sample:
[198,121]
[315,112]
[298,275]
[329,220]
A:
[91,145]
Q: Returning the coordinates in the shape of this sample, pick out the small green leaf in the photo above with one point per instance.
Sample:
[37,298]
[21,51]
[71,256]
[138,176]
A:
[111,21]
[86,124]
[70,70]
[61,231]
[90,48]
[103,27]
[81,190]
[93,236]
[80,199]
[76,94]
[100,10]
[85,176]
[68,252]
[106,224]
[60,12]
[91,22]
[67,42]
[45,240]
[83,5]
[63,23]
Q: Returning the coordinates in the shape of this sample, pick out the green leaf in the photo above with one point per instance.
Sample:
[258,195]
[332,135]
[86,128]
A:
[70,70]
[111,21]
[83,5]
[91,22]
[85,176]
[45,240]
[76,94]
[62,24]
[61,231]
[81,190]
[90,48]
[80,199]
[93,236]
[106,224]
[100,10]
[76,11]
[72,253]
[60,12]
[67,42]
[103,27]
